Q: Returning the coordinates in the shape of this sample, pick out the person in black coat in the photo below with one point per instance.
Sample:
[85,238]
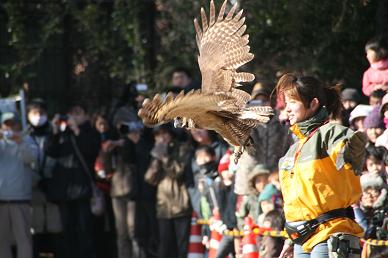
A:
[71,180]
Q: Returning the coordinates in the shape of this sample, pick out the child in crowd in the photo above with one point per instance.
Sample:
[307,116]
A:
[374,204]
[374,125]
[269,200]
[376,77]
[374,160]
[373,216]
[272,246]
[350,99]
[250,206]
[357,117]
[205,159]
[376,97]
[227,205]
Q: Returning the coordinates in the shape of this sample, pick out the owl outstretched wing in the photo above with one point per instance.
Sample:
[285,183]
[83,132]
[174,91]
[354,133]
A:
[223,48]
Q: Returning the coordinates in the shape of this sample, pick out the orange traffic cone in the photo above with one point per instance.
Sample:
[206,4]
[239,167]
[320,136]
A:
[215,236]
[249,240]
[196,248]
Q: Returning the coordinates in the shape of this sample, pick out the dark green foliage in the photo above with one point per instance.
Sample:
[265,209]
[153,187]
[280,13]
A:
[70,49]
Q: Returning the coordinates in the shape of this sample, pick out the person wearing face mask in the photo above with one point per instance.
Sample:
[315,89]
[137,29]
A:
[75,146]
[18,153]
[46,221]
[201,137]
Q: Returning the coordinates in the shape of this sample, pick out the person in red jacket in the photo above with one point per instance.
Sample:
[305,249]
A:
[376,77]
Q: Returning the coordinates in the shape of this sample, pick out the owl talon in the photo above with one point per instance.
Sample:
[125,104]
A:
[237,154]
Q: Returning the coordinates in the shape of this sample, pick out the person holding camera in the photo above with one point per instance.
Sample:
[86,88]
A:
[173,209]
[125,185]
[46,221]
[75,145]
[17,155]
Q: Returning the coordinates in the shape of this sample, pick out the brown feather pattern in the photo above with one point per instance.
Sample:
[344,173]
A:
[219,105]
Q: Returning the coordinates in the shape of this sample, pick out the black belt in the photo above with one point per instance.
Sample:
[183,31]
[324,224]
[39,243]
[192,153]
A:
[301,233]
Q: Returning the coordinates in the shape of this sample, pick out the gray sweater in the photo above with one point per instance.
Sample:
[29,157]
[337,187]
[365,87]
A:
[15,169]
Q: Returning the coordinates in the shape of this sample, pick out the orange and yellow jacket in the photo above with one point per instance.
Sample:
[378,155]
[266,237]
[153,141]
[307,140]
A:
[320,172]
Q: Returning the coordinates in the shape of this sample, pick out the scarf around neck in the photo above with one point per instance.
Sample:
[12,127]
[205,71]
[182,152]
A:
[304,128]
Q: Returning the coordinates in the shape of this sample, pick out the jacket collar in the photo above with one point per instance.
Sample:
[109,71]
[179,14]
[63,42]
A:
[304,128]
[380,65]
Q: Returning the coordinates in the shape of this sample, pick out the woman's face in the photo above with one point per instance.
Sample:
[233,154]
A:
[296,111]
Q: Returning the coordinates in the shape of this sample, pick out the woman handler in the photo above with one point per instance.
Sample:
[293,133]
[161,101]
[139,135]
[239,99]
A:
[319,174]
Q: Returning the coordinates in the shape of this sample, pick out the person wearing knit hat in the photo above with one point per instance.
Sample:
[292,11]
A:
[257,179]
[9,116]
[227,199]
[350,98]
[227,174]
[269,199]
[374,201]
[374,125]
[223,165]
[358,115]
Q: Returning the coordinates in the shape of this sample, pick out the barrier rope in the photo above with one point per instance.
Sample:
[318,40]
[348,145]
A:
[375,242]
[240,233]
[274,233]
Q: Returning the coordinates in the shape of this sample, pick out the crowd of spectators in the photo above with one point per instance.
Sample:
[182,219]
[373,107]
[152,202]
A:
[149,181]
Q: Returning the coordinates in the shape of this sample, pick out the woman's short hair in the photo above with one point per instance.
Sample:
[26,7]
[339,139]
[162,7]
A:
[306,88]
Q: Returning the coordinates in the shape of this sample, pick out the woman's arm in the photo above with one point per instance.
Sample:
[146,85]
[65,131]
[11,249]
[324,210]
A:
[345,146]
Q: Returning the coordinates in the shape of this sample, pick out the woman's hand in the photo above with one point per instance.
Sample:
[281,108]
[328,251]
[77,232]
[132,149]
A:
[287,251]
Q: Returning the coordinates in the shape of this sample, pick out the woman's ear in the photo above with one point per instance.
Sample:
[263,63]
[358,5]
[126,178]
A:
[314,104]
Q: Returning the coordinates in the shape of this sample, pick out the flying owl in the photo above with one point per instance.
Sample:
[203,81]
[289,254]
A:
[218,105]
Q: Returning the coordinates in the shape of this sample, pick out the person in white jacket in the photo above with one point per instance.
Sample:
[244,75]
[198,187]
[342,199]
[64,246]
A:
[17,154]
